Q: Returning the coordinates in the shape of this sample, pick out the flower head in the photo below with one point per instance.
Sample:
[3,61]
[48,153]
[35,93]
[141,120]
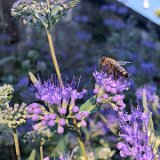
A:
[135,137]
[60,105]
[41,12]
[110,90]
[15,116]
[150,91]
[6,92]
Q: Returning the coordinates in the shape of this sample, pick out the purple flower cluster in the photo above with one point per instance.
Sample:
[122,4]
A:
[60,105]
[110,91]
[150,92]
[135,136]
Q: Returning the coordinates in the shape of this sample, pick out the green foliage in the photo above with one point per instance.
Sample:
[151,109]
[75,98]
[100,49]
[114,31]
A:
[5,60]
[59,145]
[90,105]
[32,155]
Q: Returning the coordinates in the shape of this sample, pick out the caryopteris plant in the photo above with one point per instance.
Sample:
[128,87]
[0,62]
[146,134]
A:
[58,110]
[13,116]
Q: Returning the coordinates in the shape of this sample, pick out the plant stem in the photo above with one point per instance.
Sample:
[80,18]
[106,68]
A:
[81,143]
[16,142]
[54,57]
[41,151]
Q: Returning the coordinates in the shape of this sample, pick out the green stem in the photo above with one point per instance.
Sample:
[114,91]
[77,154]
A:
[82,146]
[41,151]
[54,57]
[81,143]
[16,142]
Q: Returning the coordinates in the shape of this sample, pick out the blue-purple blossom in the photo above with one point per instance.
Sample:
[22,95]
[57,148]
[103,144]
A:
[134,131]
[60,105]
[150,92]
[110,90]
[46,158]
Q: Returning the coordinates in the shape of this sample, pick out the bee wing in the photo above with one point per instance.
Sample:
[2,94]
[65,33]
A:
[122,63]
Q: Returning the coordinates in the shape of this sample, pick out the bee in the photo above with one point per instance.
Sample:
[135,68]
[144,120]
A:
[113,67]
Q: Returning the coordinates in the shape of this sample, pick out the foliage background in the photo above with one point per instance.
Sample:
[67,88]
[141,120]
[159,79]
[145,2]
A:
[91,30]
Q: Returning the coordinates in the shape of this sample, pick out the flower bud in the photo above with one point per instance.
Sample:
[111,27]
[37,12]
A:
[62,111]
[44,123]
[83,123]
[75,109]
[62,122]
[78,117]
[46,117]
[60,130]
[35,117]
[52,116]
[51,123]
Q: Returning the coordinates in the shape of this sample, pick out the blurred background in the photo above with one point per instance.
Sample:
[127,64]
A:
[94,28]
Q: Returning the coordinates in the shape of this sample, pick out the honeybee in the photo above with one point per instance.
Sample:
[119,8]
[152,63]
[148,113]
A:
[113,67]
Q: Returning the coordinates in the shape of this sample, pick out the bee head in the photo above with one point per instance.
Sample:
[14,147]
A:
[102,62]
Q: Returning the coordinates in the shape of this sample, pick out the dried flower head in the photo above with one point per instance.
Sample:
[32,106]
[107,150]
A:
[6,137]
[41,12]
[6,92]
[36,137]
[14,116]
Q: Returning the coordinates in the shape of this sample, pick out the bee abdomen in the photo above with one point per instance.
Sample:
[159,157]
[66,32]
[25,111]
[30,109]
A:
[122,71]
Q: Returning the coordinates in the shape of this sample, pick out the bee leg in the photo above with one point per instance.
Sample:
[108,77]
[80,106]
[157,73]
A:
[114,74]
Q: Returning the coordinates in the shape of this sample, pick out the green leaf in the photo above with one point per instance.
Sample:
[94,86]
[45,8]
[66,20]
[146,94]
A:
[59,146]
[146,110]
[144,101]
[33,78]
[6,59]
[89,105]
[32,155]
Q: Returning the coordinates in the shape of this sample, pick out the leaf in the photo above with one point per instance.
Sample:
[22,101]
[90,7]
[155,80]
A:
[144,101]
[89,105]
[59,146]
[33,78]
[32,155]
[146,110]
[6,59]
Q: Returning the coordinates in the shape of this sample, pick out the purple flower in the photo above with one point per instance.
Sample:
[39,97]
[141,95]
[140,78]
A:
[134,133]
[83,123]
[78,117]
[46,158]
[75,109]
[110,90]
[46,117]
[44,123]
[51,123]
[62,111]
[150,91]
[54,94]
[60,130]
[62,122]
[52,116]
[35,117]
[60,104]
[37,111]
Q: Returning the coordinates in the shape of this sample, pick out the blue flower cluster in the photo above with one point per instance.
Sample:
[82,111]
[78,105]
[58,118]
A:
[110,90]
[60,106]
[135,136]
